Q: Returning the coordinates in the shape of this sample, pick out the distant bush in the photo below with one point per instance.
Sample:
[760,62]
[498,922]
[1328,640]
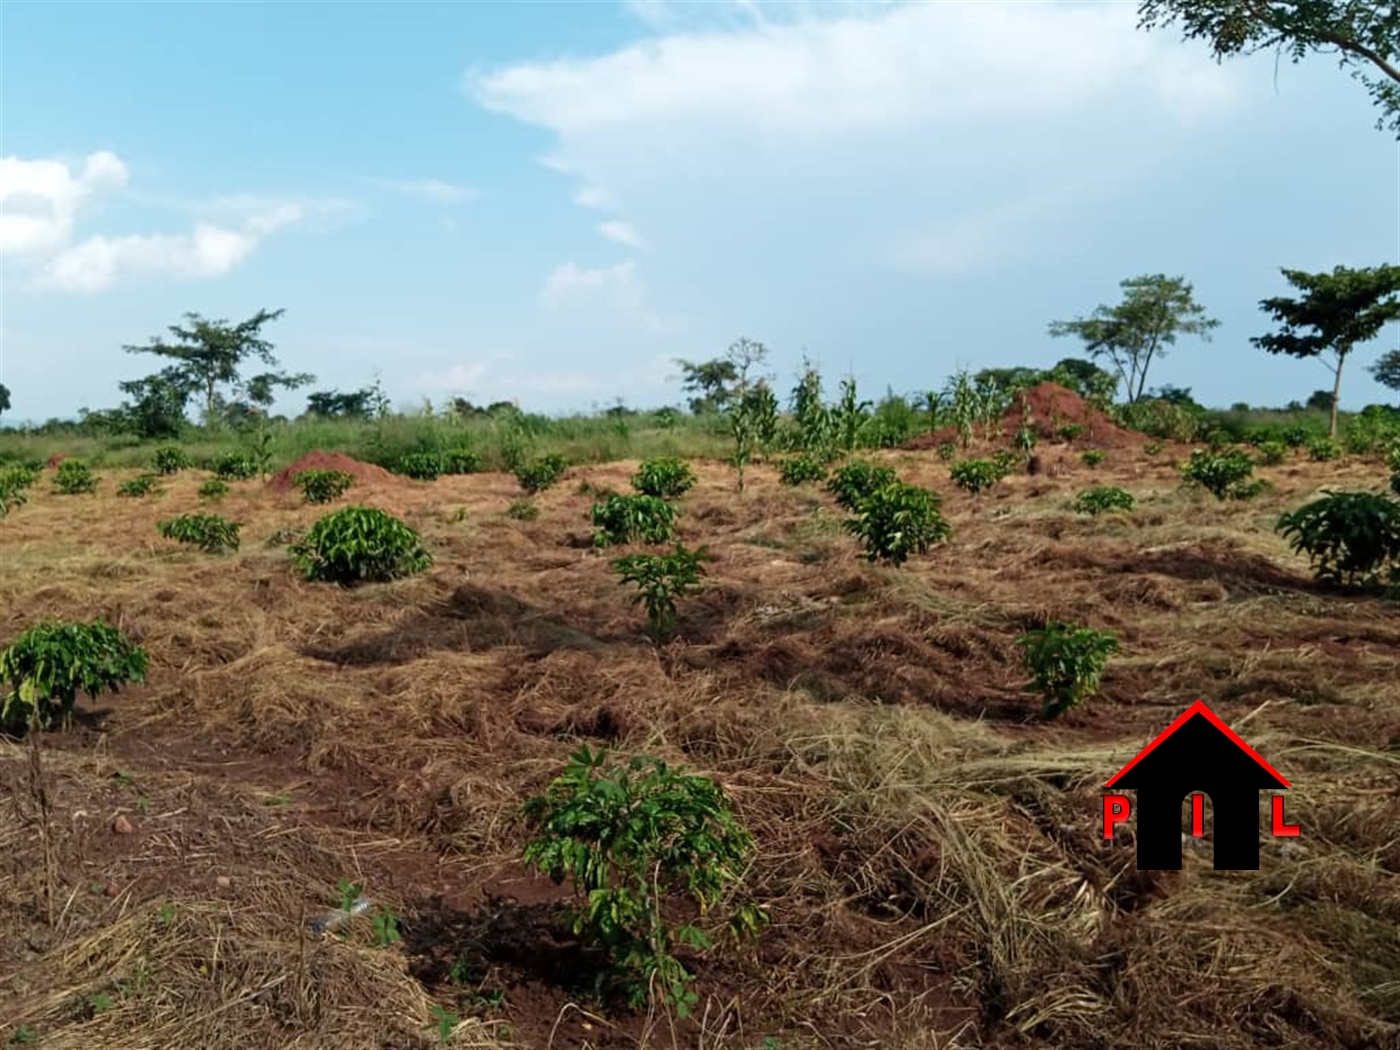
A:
[1161,419]
[664,478]
[1066,664]
[323,486]
[48,665]
[1102,499]
[1372,430]
[1093,457]
[213,489]
[629,519]
[209,532]
[1323,450]
[856,479]
[975,475]
[360,545]
[523,510]
[234,466]
[142,485]
[74,478]
[1352,538]
[897,521]
[660,579]
[542,474]
[420,466]
[802,470]
[459,461]
[170,460]
[1272,453]
[1225,475]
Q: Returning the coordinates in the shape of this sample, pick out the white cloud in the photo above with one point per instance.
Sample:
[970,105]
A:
[592,197]
[620,232]
[434,191]
[571,281]
[457,380]
[100,262]
[40,199]
[611,292]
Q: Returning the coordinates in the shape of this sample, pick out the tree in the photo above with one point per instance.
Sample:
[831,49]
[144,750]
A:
[4,398]
[1337,312]
[1387,369]
[157,405]
[1365,36]
[710,382]
[1154,311]
[1085,378]
[210,355]
[362,404]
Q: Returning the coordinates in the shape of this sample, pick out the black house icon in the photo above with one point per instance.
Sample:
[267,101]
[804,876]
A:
[1198,753]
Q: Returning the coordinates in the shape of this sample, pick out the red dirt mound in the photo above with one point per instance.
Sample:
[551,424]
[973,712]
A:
[363,473]
[1051,407]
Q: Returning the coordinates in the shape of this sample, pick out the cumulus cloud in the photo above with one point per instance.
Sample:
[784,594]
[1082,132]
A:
[622,233]
[100,262]
[434,191]
[614,293]
[40,199]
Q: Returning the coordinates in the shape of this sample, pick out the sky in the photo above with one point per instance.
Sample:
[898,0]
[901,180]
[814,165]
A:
[549,203]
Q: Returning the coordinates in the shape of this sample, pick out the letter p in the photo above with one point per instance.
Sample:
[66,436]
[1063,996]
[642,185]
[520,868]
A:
[1115,810]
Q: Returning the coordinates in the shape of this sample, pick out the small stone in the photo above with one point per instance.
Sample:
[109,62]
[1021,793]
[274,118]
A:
[111,889]
[121,825]
[223,882]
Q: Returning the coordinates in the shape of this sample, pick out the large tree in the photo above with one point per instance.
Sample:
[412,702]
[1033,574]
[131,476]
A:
[4,398]
[1387,369]
[1363,34]
[712,383]
[1130,336]
[209,358]
[1337,312]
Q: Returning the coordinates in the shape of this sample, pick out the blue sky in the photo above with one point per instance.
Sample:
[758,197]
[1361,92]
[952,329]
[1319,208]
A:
[548,202]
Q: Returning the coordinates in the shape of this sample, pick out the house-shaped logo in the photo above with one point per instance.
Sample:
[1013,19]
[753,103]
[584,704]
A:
[1200,755]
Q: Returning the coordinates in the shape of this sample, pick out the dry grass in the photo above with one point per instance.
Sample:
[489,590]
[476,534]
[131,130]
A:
[931,856]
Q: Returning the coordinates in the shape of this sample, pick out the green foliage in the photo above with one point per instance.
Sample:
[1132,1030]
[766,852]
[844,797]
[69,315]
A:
[209,532]
[946,450]
[1006,461]
[1374,429]
[235,466]
[1387,369]
[1160,418]
[48,665]
[975,401]
[664,478]
[142,485]
[323,486]
[170,460]
[1352,538]
[1070,431]
[802,470]
[1272,453]
[897,521]
[360,545]
[74,478]
[660,579]
[1066,664]
[420,466]
[525,509]
[975,475]
[1395,482]
[213,489]
[1102,499]
[1224,475]
[1153,448]
[629,836]
[1092,457]
[460,461]
[856,479]
[632,518]
[542,474]
[13,483]
[1323,450]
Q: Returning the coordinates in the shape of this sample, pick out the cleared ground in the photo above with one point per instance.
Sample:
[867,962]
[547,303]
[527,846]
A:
[931,855]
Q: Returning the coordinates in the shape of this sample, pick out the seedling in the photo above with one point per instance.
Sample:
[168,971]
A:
[74,478]
[857,479]
[975,475]
[460,461]
[1102,499]
[213,489]
[524,509]
[660,579]
[445,1021]
[1323,450]
[898,521]
[170,460]
[211,533]
[802,470]
[323,486]
[143,485]
[542,474]
[1224,475]
[1066,664]
[630,519]
[50,663]
[234,466]
[421,466]
[1092,457]
[386,928]
[664,478]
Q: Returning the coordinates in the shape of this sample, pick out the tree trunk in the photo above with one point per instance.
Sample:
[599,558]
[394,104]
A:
[1336,392]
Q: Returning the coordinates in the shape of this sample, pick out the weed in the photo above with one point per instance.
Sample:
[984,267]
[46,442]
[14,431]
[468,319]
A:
[857,479]
[975,475]
[23,1035]
[660,579]
[1066,664]
[802,470]
[143,485]
[630,519]
[1224,475]
[323,486]
[74,478]
[50,663]
[360,545]
[1351,538]
[542,474]
[524,509]
[897,521]
[664,478]
[386,928]
[1093,457]
[170,460]
[1103,498]
[213,489]
[209,532]
[445,1021]
[166,915]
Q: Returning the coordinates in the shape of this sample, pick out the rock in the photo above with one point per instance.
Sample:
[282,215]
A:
[121,825]
[223,882]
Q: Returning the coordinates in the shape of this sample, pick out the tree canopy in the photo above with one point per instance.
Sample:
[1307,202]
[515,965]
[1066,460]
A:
[1337,312]
[4,398]
[1363,34]
[1387,369]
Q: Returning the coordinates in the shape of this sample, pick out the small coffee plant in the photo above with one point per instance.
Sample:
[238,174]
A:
[13,483]
[74,478]
[802,470]
[524,509]
[857,479]
[628,836]
[142,485]
[1352,538]
[213,489]
[420,466]
[660,579]
[1225,475]
[898,521]
[1103,499]
[975,475]
[946,450]
[1153,448]
[1066,664]
[209,532]
[1323,450]
[1272,453]
[1070,431]
[542,474]
[1093,457]
[170,460]
[360,545]
[632,519]
[323,486]
[664,478]
[47,666]
[460,461]
[235,466]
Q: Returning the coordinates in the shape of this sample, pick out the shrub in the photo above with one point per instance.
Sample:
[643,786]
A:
[660,579]
[1323,450]
[1103,498]
[323,486]
[897,521]
[170,460]
[213,489]
[543,473]
[627,519]
[1352,538]
[13,483]
[1005,461]
[523,510]
[628,837]
[74,478]
[1093,457]
[460,461]
[360,545]
[975,475]
[209,532]
[1224,475]
[234,466]
[945,450]
[143,485]
[1272,453]
[420,466]
[1066,664]
[857,479]
[1070,431]
[48,665]
[802,470]
[664,478]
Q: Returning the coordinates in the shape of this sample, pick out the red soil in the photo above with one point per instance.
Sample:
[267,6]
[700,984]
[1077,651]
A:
[1051,407]
[363,473]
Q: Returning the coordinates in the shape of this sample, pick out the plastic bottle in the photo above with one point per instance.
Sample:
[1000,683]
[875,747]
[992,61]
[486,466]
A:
[341,916]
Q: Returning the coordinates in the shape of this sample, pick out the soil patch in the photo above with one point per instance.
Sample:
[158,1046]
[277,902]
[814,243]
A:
[1051,407]
[363,473]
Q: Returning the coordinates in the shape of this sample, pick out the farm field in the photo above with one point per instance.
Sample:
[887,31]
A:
[930,853]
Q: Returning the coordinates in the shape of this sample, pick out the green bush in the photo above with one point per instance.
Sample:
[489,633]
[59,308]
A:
[213,489]
[898,521]
[1070,431]
[855,480]
[1102,499]
[170,460]
[1323,450]
[74,478]
[13,483]
[48,665]
[660,579]
[1006,461]
[630,519]
[1224,475]
[975,475]
[209,532]
[542,474]
[360,545]
[523,510]
[420,466]
[1093,457]
[1066,664]
[946,450]
[323,486]
[460,461]
[1272,453]
[802,470]
[629,837]
[1352,538]
[142,485]
[664,478]
[234,466]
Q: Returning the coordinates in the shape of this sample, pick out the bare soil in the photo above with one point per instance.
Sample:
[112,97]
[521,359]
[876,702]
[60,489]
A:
[363,473]
[1049,407]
